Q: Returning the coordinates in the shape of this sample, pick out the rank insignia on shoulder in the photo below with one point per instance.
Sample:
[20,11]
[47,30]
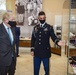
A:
[46,29]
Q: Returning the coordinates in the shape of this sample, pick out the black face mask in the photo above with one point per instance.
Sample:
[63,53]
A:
[42,21]
[12,23]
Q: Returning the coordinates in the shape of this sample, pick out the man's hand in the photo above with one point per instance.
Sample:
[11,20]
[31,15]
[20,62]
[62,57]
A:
[32,53]
[61,43]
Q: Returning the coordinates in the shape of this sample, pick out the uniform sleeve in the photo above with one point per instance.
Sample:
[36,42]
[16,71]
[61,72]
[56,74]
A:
[53,36]
[33,38]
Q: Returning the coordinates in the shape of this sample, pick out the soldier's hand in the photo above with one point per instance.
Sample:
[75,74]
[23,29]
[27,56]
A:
[32,53]
[61,43]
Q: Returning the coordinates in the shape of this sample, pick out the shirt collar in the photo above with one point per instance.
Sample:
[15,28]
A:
[5,25]
[42,24]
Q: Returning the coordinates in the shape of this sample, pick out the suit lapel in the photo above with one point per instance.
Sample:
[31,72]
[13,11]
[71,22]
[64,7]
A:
[5,32]
[45,25]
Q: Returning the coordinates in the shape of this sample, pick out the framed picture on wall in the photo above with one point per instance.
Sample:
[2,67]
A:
[27,11]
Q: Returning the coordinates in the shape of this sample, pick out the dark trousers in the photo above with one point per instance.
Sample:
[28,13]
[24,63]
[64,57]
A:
[10,70]
[37,62]
[17,47]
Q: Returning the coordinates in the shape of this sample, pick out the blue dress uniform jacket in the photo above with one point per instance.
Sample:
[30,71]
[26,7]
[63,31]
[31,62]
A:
[40,41]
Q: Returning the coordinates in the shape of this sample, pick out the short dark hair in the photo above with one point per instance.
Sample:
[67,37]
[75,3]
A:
[41,13]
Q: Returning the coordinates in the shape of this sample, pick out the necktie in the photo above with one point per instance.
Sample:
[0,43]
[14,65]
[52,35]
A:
[10,35]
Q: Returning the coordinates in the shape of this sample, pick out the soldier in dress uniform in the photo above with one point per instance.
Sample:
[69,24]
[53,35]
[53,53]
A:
[40,43]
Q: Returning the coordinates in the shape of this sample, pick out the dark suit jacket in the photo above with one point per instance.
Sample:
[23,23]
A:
[6,49]
[40,41]
[17,32]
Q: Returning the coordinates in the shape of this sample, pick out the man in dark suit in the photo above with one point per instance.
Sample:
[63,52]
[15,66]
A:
[13,24]
[7,47]
[17,32]
[40,43]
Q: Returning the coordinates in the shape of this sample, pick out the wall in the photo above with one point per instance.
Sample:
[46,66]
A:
[10,6]
[52,8]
